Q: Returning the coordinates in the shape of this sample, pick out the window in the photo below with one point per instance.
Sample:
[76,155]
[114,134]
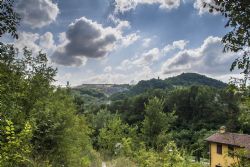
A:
[219,148]
[230,151]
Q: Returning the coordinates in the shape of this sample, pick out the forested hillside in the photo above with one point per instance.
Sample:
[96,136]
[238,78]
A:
[190,79]
[184,110]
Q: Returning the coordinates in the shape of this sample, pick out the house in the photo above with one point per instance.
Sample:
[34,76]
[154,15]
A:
[224,147]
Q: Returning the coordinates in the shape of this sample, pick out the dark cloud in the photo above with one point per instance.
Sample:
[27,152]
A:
[37,13]
[86,38]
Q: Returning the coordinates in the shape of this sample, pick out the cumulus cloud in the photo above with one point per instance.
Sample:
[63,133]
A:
[47,41]
[149,57]
[88,39]
[181,44]
[199,5]
[208,58]
[127,5]
[125,65]
[36,42]
[37,13]
[129,39]
[120,24]
[28,39]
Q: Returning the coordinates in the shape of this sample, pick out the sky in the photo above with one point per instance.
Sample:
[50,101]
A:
[124,41]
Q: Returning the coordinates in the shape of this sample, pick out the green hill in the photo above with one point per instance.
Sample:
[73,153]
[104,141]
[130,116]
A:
[100,92]
[189,79]
[182,80]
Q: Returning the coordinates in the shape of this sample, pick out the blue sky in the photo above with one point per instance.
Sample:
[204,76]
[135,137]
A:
[124,41]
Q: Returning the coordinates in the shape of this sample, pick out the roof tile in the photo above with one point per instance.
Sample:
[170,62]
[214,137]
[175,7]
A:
[241,140]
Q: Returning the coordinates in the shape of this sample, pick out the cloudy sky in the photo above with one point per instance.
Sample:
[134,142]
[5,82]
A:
[124,41]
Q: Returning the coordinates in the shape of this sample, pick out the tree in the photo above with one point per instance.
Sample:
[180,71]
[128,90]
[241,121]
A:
[238,39]
[244,117]
[15,148]
[38,122]
[156,121]
[59,136]
[97,122]
[111,136]
[9,19]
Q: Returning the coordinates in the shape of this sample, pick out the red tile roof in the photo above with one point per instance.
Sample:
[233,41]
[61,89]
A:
[235,139]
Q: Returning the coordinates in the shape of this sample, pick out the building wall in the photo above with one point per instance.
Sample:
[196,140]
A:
[220,159]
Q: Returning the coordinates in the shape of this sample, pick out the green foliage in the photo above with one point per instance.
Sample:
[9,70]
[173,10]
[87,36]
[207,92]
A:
[191,79]
[205,107]
[9,19]
[156,85]
[131,109]
[90,92]
[244,117]
[59,136]
[98,121]
[121,162]
[111,136]
[156,121]
[146,158]
[171,156]
[142,86]
[15,148]
[242,156]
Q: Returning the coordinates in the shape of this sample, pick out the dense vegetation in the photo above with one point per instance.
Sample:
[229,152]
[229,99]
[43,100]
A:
[157,123]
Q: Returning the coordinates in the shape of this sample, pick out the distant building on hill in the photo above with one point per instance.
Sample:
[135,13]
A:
[225,148]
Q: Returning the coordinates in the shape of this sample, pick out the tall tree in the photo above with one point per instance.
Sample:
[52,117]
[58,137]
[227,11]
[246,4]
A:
[156,121]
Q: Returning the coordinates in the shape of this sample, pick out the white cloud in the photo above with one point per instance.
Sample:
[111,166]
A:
[107,69]
[127,5]
[47,41]
[199,5]
[207,59]
[129,39]
[28,39]
[88,39]
[37,13]
[125,65]
[148,57]
[120,24]
[144,73]
[36,42]
[181,44]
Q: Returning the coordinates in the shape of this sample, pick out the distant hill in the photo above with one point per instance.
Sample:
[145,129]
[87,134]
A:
[182,80]
[188,79]
[97,92]
[149,84]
